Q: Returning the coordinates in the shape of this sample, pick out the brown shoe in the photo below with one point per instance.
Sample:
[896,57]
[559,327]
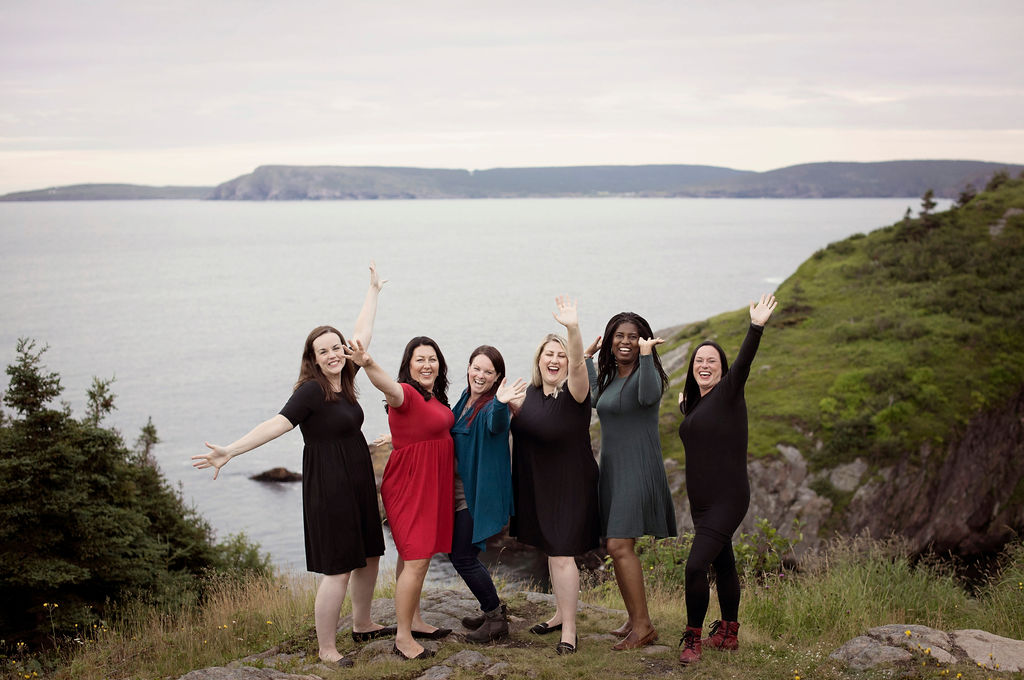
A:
[691,646]
[623,630]
[631,641]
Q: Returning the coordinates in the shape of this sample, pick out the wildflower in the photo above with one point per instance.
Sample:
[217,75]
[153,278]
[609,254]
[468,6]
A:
[269,622]
[928,650]
[907,633]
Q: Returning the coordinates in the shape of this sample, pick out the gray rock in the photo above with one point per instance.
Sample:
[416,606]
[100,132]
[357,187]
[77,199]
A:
[865,652]
[991,651]
[498,670]
[847,477]
[922,640]
[243,673]
[436,673]
[468,658]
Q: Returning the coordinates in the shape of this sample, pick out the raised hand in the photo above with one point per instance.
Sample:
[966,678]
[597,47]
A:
[382,439]
[216,459]
[647,344]
[507,393]
[357,354]
[566,314]
[375,280]
[761,311]
[592,349]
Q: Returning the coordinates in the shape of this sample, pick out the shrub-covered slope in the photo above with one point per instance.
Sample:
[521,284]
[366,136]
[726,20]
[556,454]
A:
[886,347]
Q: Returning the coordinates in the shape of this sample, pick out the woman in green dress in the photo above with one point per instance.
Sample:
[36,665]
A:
[626,389]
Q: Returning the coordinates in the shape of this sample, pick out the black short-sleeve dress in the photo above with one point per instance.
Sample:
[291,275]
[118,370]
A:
[340,516]
[554,475]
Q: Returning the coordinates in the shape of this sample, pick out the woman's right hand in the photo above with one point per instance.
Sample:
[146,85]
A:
[566,314]
[357,354]
[375,280]
[507,393]
[216,459]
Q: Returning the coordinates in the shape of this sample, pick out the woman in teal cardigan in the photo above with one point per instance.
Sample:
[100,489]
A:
[483,482]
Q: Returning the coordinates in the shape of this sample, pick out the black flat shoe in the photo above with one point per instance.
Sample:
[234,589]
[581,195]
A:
[343,662]
[388,631]
[563,648]
[425,654]
[438,634]
[543,628]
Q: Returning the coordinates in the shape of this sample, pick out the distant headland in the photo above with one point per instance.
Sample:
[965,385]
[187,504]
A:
[946,178]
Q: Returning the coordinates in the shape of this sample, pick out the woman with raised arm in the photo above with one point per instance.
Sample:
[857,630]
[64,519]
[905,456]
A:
[714,434]
[417,486]
[554,472]
[635,498]
[483,482]
[344,540]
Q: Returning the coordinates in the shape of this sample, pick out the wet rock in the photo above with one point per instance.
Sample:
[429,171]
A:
[278,474]
[991,651]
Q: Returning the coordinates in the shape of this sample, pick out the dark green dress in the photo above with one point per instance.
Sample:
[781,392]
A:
[634,495]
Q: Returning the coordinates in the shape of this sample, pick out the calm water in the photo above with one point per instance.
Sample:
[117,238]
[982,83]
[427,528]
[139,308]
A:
[199,309]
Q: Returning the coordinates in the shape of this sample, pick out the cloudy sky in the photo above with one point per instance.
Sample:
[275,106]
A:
[189,92]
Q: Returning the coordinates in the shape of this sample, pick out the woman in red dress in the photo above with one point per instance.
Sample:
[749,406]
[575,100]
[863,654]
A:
[417,488]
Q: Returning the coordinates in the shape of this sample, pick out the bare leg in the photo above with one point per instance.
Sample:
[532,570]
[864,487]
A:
[362,582]
[326,609]
[418,624]
[407,601]
[629,574]
[565,583]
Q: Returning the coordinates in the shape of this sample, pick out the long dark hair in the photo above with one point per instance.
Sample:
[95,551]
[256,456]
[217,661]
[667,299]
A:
[310,370]
[499,372]
[691,390]
[607,369]
[440,384]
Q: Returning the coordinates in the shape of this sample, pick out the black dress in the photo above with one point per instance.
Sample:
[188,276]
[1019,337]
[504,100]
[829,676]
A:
[714,436]
[340,517]
[554,475]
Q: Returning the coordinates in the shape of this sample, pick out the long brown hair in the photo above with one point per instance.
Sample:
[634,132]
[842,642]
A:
[440,389]
[310,370]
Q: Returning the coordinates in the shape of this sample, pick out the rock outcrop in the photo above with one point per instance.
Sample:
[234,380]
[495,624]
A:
[901,644]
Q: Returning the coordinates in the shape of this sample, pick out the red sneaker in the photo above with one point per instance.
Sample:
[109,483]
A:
[690,643]
[723,635]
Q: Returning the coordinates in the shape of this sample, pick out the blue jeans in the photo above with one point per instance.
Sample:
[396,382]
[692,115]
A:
[464,557]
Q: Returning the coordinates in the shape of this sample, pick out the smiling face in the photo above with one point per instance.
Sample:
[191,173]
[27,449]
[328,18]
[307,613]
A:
[327,351]
[707,368]
[626,343]
[553,364]
[424,366]
[481,376]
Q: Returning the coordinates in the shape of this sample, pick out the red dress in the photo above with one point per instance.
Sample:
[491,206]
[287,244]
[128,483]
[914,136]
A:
[417,488]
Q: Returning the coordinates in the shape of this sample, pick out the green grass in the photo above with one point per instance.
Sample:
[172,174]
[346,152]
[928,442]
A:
[884,343]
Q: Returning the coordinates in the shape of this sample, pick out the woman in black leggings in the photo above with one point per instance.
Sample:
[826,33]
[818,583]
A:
[714,434]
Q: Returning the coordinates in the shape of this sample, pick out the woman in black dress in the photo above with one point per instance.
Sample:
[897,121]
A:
[344,540]
[554,474]
[714,434]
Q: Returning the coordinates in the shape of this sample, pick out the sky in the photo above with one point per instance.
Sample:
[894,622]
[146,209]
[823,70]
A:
[181,92]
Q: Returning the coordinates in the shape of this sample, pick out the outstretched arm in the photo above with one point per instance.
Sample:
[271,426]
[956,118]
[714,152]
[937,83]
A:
[760,312]
[578,382]
[363,331]
[391,389]
[257,436]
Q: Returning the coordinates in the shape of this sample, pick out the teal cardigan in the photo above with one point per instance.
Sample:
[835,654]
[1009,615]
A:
[485,465]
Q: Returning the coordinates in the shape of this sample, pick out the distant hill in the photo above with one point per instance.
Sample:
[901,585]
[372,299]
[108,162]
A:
[108,192]
[813,180]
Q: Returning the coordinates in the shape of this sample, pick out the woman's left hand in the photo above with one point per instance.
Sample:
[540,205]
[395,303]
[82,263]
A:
[507,393]
[647,345]
[761,311]
[375,280]
[357,354]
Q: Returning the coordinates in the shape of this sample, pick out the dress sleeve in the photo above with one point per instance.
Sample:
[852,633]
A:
[592,375]
[498,419]
[650,388]
[302,402]
[740,369]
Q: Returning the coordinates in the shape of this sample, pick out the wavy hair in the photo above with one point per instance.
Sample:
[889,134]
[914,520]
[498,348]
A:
[499,372]
[691,390]
[440,390]
[310,370]
[535,378]
[607,369]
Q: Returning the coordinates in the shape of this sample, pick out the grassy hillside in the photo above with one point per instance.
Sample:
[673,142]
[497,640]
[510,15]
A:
[887,342]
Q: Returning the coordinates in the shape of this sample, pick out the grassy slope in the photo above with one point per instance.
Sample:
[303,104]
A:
[886,342]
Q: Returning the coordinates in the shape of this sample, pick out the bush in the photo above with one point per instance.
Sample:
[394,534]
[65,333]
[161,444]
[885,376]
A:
[85,521]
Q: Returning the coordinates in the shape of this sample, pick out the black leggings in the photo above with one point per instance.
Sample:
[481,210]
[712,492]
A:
[705,552]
